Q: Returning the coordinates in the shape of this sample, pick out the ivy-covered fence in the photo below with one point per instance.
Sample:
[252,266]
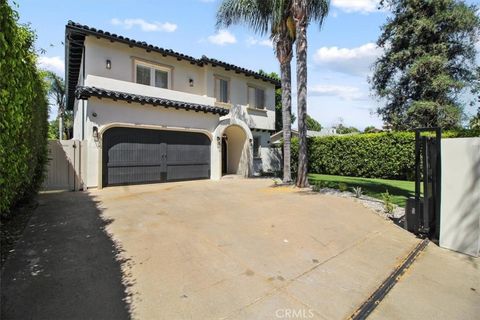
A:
[23,112]
[389,155]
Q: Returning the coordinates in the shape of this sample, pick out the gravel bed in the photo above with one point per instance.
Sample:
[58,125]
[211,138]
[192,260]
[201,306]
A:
[369,202]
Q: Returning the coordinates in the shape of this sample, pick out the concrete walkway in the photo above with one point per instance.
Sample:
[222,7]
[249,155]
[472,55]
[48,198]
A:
[441,284]
[230,249]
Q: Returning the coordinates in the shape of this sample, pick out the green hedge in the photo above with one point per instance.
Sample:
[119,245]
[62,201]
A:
[372,155]
[23,112]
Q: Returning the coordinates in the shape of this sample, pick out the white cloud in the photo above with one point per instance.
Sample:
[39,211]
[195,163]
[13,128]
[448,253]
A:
[55,64]
[265,42]
[144,25]
[353,61]
[340,91]
[222,37]
[363,6]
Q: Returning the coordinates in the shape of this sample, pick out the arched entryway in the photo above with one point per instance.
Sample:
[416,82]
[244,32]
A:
[235,151]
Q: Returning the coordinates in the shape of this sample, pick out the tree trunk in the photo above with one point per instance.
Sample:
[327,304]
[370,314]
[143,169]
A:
[300,15]
[286,78]
[60,123]
[284,54]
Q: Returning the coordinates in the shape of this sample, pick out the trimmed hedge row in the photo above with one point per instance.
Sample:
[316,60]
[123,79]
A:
[23,112]
[388,155]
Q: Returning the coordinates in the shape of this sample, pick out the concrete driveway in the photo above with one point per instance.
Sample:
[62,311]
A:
[242,249]
[231,249]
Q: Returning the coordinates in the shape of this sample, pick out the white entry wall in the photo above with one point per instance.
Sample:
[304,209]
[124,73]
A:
[460,207]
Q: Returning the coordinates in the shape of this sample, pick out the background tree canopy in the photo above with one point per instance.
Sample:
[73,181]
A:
[428,62]
[313,124]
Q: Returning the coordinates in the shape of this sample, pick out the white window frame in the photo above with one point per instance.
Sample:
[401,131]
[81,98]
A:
[217,89]
[153,67]
[264,107]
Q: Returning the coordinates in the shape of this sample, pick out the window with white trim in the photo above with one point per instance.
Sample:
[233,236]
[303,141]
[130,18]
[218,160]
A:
[256,147]
[222,93]
[256,98]
[152,75]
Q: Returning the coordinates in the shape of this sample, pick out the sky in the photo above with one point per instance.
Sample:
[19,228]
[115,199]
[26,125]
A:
[340,53]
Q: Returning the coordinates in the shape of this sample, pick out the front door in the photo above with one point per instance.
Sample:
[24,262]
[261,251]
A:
[224,156]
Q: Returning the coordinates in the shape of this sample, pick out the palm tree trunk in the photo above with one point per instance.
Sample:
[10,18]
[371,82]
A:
[286,79]
[284,51]
[60,123]
[300,17]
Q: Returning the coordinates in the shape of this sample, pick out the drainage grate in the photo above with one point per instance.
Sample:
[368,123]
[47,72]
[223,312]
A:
[372,302]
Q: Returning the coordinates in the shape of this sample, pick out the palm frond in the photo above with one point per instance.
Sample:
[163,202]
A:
[256,14]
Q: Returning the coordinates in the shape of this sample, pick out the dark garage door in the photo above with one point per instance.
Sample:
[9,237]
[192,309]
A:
[134,156]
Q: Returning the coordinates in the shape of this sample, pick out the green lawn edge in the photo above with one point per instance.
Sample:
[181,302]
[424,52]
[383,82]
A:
[399,189]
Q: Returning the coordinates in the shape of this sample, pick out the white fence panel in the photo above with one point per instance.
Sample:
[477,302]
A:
[63,169]
[460,208]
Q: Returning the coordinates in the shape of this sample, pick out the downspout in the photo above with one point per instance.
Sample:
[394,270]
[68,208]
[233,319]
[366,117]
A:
[83,101]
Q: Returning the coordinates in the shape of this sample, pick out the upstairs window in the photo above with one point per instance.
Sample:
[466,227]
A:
[222,93]
[152,75]
[256,98]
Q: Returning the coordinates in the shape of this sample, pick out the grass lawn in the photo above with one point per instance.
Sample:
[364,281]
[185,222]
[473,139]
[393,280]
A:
[399,189]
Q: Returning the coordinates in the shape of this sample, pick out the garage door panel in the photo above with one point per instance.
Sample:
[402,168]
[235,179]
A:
[186,172]
[134,175]
[133,156]
[188,154]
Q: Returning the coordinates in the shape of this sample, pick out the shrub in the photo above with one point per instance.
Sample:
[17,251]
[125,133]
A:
[342,186]
[358,192]
[23,112]
[389,155]
[387,202]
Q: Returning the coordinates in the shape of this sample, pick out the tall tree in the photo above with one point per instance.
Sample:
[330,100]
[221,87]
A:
[313,124]
[274,16]
[428,61]
[278,102]
[56,91]
[303,12]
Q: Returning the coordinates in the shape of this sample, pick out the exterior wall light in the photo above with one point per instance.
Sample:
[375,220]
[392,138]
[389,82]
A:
[190,81]
[95,133]
[108,64]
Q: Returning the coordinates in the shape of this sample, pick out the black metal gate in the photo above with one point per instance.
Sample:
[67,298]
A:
[423,213]
[135,156]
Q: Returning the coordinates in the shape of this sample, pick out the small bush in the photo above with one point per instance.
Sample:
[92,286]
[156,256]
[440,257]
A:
[317,186]
[358,192]
[387,202]
[342,187]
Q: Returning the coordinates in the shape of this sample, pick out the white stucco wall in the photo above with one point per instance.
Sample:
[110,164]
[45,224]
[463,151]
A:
[122,59]
[122,64]
[121,78]
[460,204]
[254,118]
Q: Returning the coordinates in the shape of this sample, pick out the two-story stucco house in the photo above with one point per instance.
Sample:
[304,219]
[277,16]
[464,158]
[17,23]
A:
[148,114]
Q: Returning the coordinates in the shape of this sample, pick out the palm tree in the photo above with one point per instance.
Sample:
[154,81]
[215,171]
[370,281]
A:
[56,90]
[303,12]
[262,16]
